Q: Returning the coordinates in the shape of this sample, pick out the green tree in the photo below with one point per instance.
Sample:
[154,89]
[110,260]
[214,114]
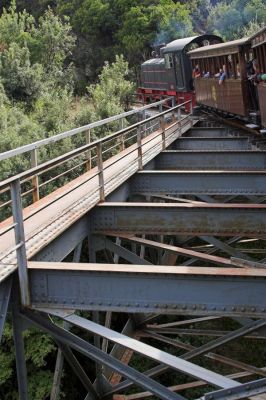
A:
[113,92]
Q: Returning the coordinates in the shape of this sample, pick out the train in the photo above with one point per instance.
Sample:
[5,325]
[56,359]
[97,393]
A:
[191,68]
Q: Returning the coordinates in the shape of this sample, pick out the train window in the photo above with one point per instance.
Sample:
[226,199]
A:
[179,71]
[169,63]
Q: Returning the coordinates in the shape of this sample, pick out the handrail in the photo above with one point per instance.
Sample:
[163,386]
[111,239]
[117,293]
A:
[42,167]
[35,145]
[14,183]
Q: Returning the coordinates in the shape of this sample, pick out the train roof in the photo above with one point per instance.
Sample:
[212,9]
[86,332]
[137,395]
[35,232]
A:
[180,44]
[219,49]
[259,37]
[154,61]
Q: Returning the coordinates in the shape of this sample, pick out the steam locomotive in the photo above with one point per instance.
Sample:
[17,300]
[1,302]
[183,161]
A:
[171,74]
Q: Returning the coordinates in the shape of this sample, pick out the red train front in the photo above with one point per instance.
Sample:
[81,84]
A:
[170,74]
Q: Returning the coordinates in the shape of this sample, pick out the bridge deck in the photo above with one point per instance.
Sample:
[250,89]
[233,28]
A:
[48,218]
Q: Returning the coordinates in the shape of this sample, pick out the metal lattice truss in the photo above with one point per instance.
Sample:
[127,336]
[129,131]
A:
[175,273]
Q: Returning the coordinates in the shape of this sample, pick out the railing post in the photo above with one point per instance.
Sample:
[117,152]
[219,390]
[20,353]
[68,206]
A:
[100,171]
[143,117]
[20,241]
[162,125]
[122,138]
[161,106]
[140,166]
[179,117]
[35,179]
[88,153]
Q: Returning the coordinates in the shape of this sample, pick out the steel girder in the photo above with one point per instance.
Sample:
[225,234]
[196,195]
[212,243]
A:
[207,143]
[211,160]
[208,132]
[144,289]
[197,182]
[190,219]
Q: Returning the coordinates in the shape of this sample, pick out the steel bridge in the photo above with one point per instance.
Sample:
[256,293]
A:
[171,216]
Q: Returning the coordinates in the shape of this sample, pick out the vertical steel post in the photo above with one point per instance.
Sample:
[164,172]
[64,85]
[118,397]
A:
[161,106]
[122,138]
[35,179]
[162,125]
[20,240]
[179,117]
[19,347]
[140,166]
[88,153]
[100,171]
[191,112]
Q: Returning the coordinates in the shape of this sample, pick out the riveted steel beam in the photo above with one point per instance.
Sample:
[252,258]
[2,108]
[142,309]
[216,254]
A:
[208,132]
[207,143]
[189,219]
[211,160]
[199,182]
[149,289]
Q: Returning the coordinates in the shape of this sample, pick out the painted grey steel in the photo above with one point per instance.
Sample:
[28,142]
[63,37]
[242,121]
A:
[101,357]
[216,357]
[142,292]
[77,369]
[211,160]
[205,143]
[124,253]
[188,182]
[241,392]
[5,291]
[214,344]
[72,132]
[157,355]
[58,249]
[17,324]
[208,132]
[20,240]
[172,218]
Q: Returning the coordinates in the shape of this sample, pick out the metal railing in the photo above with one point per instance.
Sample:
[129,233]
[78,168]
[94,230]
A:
[31,150]
[126,140]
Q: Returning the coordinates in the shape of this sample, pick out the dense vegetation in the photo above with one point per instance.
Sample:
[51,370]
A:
[53,50]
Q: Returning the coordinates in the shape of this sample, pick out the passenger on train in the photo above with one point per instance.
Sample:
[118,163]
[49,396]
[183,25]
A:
[223,75]
[196,72]
[252,69]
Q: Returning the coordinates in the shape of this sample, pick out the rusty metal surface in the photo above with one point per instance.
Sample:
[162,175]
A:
[146,269]
[51,216]
[180,250]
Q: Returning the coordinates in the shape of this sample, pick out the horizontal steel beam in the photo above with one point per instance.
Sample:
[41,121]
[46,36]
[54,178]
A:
[207,132]
[149,289]
[171,218]
[211,160]
[193,182]
[206,143]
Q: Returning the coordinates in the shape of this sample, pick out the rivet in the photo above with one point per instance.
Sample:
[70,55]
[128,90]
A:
[184,307]
[233,308]
[194,307]
[243,309]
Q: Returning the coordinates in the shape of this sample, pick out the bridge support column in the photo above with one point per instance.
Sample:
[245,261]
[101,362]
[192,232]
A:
[19,346]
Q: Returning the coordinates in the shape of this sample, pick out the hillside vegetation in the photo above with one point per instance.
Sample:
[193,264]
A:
[65,63]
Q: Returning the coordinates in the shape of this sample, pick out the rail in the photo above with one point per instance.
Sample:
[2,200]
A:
[94,152]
